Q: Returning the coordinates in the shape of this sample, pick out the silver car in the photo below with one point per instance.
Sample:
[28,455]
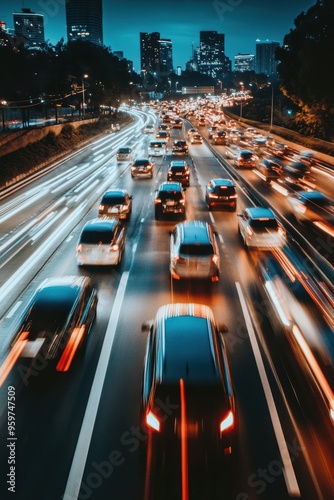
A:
[259,228]
[194,251]
[101,243]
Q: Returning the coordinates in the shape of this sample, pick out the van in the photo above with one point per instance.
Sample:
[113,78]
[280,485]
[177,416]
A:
[157,148]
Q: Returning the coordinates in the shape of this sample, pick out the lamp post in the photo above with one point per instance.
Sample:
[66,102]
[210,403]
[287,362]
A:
[241,97]
[272,108]
[3,104]
[176,84]
[170,85]
[83,94]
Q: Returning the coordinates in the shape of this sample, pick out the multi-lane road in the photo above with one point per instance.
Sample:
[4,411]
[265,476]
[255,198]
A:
[77,434]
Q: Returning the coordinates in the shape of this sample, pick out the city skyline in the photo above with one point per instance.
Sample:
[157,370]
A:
[241,21]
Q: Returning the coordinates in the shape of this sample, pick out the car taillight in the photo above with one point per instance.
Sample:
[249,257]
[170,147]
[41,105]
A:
[227,423]
[182,201]
[157,201]
[214,259]
[152,421]
[101,208]
[113,248]
[233,196]
[79,248]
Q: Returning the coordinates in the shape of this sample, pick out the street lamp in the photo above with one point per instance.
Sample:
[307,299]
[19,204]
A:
[170,85]
[272,108]
[241,97]
[3,104]
[83,94]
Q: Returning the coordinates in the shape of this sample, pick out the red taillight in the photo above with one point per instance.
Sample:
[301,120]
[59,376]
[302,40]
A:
[157,201]
[79,248]
[152,421]
[227,423]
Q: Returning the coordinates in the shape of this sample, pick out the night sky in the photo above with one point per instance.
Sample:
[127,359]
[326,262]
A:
[242,22]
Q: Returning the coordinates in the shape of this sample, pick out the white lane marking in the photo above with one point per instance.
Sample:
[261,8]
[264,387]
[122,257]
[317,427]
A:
[14,309]
[81,452]
[288,470]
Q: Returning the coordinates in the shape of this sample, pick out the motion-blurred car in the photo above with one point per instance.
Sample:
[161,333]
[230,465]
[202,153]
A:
[170,200]
[56,322]
[194,251]
[124,154]
[270,169]
[101,243]
[212,130]
[179,171]
[116,203]
[149,128]
[220,137]
[196,139]
[142,167]
[245,159]
[177,122]
[297,172]
[259,228]
[221,193]
[232,151]
[312,206]
[180,147]
[186,364]
[192,131]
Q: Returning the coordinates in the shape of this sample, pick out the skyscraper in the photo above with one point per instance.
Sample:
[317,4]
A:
[265,61]
[244,62]
[30,27]
[156,55]
[84,21]
[213,60]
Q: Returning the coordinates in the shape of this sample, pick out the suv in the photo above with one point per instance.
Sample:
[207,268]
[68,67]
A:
[170,200]
[221,193]
[116,203]
[186,365]
[142,167]
[313,207]
[194,251]
[124,154]
[56,322]
[259,228]
[180,147]
[101,243]
[245,158]
[179,171]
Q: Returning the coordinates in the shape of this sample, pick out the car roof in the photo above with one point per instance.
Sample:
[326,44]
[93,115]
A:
[194,231]
[222,182]
[186,344]
[170,186]
[99,224]
[124,150]
[178,163]
[259,212]
[115,192]
[312,195]
[142,160]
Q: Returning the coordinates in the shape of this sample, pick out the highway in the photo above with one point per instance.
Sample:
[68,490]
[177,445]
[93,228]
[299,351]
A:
[77,434]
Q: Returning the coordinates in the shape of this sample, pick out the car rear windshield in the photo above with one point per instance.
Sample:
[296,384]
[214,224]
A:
[95,237]
[246,156]
[124,151]
[113,199]
[196,249]
[178,169]
[264,224]
[167,195]
[224,190]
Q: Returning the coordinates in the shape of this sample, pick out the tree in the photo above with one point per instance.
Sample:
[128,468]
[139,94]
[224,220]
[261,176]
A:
[304,62]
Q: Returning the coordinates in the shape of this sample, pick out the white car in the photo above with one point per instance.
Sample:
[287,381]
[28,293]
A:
[149,128]
[259,228]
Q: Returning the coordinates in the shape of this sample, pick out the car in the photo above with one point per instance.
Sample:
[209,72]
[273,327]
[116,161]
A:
[212,130]
[221,193]
[219,138]
[124,154]
[164,126]
[157,148]
[142,167]
[115,127]
[149,128]
[191,131]
[170,200]
[270,169]
[101,243]
[186,364]
[245,159]
[177,122]
[297,172]
[194,251]
[55,324]
[259,227]
[232,151]
[162,134]
[196,139]
[312,207]
[180,147]
[116,202]
[201,122]
[179,171]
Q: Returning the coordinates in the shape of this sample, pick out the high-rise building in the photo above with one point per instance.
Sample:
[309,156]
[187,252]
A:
[265,61]
[213,61]
[29,26]
[156,55]
[84,21]
[244,62]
